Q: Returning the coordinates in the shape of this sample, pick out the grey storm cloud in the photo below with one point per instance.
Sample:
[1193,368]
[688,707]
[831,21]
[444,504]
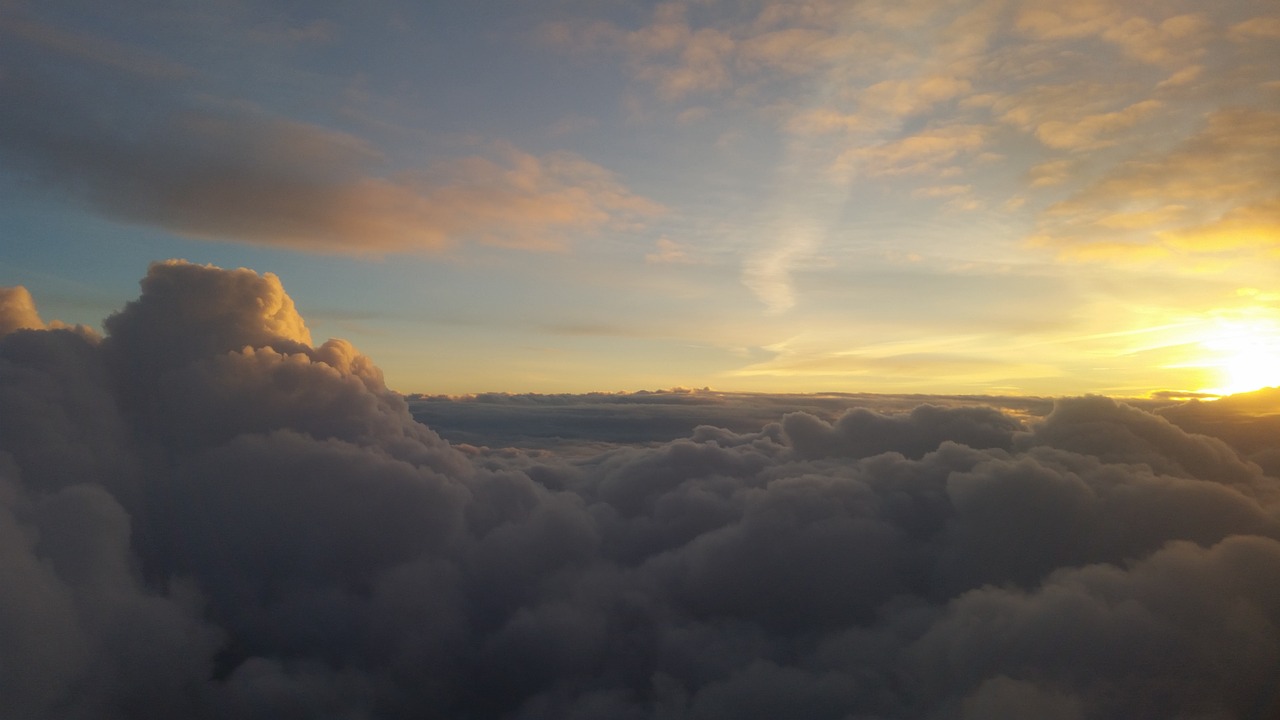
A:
[203,514]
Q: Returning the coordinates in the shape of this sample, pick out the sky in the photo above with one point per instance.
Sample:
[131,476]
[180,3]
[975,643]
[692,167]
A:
[997,197]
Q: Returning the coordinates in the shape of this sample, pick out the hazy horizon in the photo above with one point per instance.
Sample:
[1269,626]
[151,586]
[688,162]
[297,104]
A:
[1154,394]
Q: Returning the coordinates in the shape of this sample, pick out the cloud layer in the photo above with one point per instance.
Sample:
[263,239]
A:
[1161,116]
[207,515]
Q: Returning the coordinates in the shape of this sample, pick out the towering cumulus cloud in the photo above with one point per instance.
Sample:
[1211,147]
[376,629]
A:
[205,515]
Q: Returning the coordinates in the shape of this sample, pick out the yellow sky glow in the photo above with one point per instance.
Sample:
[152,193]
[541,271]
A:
[1245,354]
[977,196]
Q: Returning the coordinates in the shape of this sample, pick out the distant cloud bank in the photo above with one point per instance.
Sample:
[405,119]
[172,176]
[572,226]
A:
[204,514]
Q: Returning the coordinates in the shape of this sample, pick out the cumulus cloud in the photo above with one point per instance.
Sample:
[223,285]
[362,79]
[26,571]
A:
[17,310]
[1247,421]
[204,514]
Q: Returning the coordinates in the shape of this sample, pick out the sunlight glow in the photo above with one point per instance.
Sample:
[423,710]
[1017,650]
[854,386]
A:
[1245,355]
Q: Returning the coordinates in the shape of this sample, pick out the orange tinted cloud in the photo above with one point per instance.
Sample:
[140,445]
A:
[1092,131]
[228,172]
[668,53]
[1254,226]
[1051,172]
[1259,27]
[913,95]
[512,200]
[926,151]
[1218,190]
[1150,40]
[18,311]
[668,252]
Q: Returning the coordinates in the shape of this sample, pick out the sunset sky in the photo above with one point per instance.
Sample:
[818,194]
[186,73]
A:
[1021,197]
[598,359]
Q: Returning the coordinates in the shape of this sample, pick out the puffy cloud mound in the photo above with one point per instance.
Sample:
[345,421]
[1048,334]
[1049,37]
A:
[17,311]
[202,514]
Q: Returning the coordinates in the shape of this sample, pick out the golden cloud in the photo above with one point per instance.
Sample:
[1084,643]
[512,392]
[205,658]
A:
[1218,190]
[1091,131]
[18,311]
[926,151]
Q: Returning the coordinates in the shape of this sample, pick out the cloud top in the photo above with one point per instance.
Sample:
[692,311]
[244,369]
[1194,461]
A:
[18,310]
[207,515]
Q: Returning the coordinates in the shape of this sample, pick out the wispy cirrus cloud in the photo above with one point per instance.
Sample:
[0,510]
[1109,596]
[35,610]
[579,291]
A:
[91,48]
[667,252]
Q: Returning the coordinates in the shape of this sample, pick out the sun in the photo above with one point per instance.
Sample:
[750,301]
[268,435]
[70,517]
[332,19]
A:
[1243,354]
